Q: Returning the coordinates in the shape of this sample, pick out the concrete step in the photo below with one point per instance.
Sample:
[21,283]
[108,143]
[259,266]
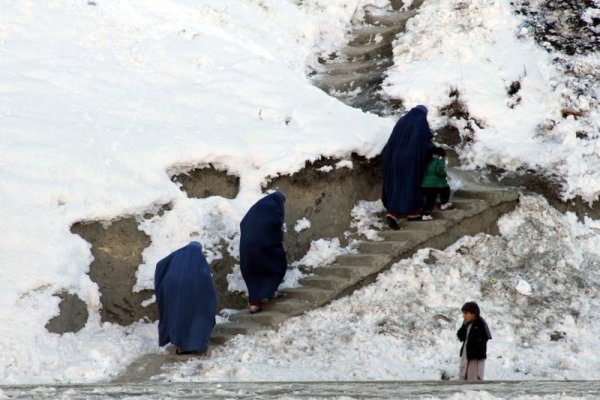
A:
[452,215]
[330,282]
[289,306]
[492,196]
[384,247]
[372,259]
[395,19]
[368,33]
[354,67]
[353,272]
[238,328]
[412,237]
[349,81]
[368,51]
[219,339]
[270,318]
[315,296]
[434,227]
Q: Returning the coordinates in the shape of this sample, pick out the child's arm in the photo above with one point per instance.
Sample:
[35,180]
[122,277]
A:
[440,169]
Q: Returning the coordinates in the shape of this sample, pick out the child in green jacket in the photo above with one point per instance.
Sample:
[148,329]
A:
[435,183]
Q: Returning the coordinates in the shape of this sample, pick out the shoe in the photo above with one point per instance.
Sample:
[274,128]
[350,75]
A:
[181,352]
[254,309]
[392,222]
[446,206]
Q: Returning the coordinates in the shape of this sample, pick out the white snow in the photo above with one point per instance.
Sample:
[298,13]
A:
[523,287]
[344,164]
[365,218]
[302,224]
[322,252]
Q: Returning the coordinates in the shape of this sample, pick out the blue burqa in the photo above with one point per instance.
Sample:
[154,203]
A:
[262,257]
[186,299]
[403,162]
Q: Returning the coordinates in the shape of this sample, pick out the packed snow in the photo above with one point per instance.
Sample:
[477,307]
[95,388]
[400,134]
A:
[102,102]
[301,225]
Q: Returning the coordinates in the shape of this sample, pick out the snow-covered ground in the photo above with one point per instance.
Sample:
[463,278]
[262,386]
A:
[483,47]
[100,101]
[404,325]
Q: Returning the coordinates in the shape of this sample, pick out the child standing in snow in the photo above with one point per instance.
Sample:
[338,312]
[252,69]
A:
[474,333]
[435,183]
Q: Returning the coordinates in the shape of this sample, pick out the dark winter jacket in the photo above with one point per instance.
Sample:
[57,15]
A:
[478,337]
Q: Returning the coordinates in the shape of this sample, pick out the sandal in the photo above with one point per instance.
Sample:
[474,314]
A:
[392,222]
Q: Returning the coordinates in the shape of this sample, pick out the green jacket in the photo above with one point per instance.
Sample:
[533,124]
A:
[435,174]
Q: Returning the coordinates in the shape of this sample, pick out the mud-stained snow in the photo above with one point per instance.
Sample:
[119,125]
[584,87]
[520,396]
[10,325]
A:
[404,325]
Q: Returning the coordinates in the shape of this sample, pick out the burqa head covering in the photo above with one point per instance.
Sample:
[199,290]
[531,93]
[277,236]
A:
[421,108]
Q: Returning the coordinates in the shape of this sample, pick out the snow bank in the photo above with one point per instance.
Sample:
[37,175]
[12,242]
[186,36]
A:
[480,48]
[100,99]
[404,325]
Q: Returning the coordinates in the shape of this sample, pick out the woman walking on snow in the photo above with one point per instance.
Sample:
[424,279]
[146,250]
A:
[474,333]
[403,161]
[262,258]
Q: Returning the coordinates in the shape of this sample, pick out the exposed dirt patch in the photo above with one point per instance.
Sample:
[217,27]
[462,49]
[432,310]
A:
[73,314]
[459,129]
[117,250]
[221,268]
[208,181]
[325,199]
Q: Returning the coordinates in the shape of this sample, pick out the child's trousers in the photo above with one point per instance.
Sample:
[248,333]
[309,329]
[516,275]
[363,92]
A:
[431,195]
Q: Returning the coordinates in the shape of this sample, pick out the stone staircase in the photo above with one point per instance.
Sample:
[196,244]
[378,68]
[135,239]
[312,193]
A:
[354,75]
[477,209]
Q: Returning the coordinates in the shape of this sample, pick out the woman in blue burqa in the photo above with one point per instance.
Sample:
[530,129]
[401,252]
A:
[262,258]
[403,163]
[186,299]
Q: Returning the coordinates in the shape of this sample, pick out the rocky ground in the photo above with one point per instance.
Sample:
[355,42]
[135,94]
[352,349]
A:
[570,31]
[569,26]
